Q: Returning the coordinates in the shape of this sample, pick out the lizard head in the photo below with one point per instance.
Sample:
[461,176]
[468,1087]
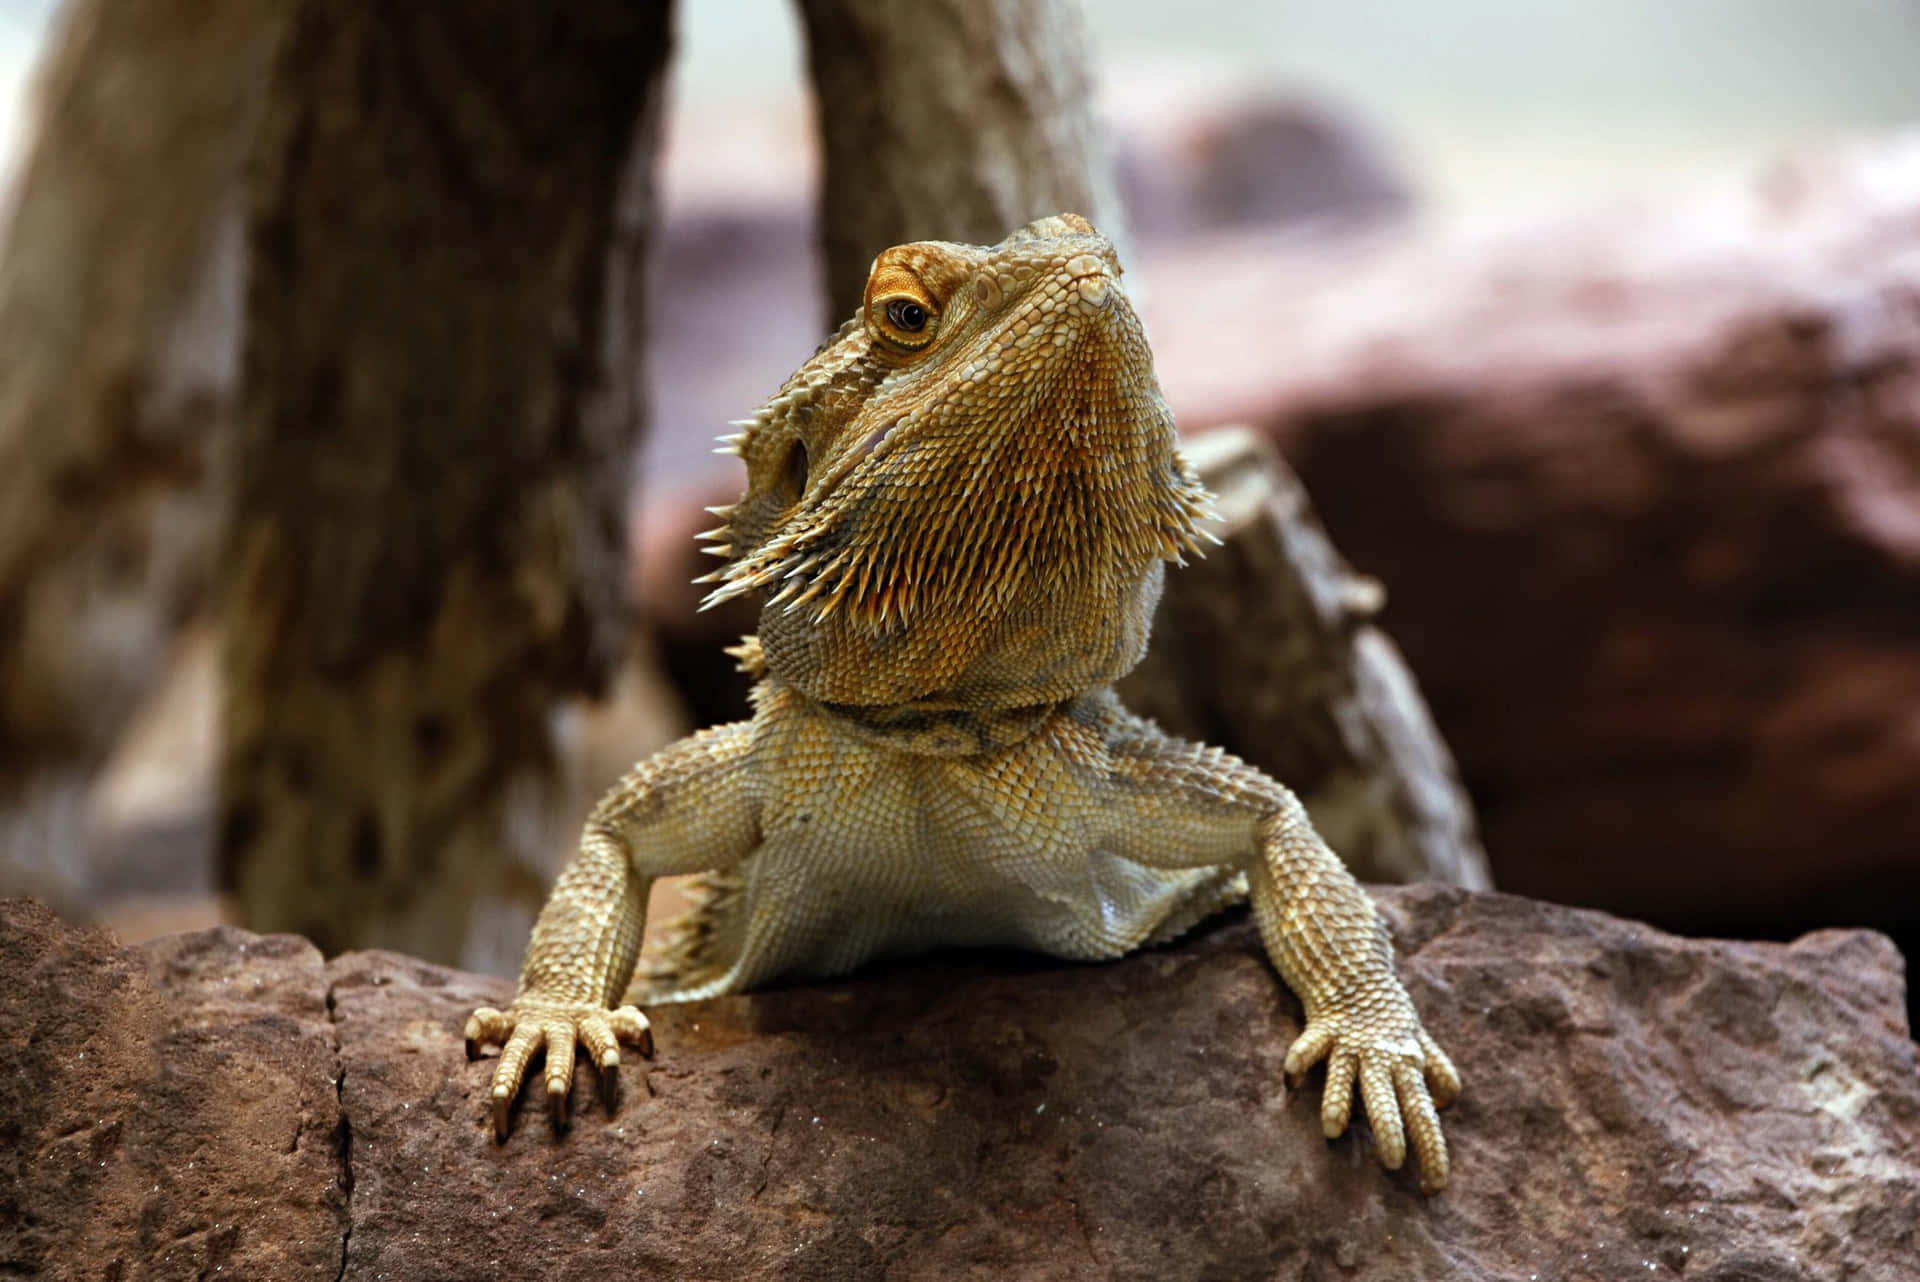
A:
[968,493]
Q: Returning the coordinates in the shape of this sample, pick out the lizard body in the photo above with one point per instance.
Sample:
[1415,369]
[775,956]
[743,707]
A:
[961,509]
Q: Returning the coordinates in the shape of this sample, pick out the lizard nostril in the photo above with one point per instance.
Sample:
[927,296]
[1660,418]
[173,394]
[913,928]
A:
[1090,281]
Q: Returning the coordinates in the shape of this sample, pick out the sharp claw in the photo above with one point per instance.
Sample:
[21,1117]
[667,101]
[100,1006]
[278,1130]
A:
[557,1033]
[502,1116]
[610,1086]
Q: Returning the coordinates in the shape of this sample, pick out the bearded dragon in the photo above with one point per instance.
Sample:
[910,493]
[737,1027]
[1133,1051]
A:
[961,509]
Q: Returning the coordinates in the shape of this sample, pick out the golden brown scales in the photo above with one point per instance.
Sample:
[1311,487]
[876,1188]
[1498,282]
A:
[960,510]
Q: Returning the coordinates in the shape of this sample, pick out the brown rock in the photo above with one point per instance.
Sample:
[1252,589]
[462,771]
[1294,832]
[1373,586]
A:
[1637,1106]
[1644,491]
[167,1111]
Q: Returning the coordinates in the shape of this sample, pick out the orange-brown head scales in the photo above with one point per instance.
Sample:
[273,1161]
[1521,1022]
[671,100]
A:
[965,498]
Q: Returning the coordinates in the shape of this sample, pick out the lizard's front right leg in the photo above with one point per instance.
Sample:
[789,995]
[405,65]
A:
[693,807]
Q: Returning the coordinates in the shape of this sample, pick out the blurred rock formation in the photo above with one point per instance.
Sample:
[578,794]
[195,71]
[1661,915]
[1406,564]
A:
[1191,163]
[1643,487]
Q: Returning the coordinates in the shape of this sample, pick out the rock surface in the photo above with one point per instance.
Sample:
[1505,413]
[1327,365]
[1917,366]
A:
[168,1111]
[1637,1106]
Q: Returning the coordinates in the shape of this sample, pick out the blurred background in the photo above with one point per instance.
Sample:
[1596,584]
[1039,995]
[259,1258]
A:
[1592,331]
[1487,102]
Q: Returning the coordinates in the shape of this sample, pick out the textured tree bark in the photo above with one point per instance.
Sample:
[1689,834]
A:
[426,557]
[949,120]
[119,338]
[1266,648]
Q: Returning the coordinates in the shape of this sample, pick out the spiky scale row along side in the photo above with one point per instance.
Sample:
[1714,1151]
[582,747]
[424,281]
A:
[960,511]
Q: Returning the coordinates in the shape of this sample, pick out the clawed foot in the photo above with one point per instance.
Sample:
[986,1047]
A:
[1403,1076]
[531,1025]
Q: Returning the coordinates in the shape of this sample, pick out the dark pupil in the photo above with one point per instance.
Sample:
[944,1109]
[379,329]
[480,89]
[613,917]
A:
[907,315]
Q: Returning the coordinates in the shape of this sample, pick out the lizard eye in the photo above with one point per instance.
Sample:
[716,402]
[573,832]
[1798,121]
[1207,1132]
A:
[906,315]
[905,321]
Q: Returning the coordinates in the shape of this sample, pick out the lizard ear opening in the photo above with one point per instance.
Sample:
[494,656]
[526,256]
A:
[793,473]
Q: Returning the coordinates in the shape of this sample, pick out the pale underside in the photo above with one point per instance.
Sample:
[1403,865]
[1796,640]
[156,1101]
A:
[870,852]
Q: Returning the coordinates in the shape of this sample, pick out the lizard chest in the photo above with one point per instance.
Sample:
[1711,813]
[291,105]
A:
[867,841]
[869,852]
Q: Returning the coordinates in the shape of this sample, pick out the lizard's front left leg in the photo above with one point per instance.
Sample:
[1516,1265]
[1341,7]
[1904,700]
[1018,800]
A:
[693,807]
[1183,804]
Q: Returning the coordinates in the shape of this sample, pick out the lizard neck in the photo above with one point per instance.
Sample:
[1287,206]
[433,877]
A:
[939,727]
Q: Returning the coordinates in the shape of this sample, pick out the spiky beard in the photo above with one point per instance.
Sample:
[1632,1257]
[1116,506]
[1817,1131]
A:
[959,519]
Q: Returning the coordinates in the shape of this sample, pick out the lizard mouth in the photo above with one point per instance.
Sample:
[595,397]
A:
[872,440]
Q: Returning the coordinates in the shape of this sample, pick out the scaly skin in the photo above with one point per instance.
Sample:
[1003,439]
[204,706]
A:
[962,506]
